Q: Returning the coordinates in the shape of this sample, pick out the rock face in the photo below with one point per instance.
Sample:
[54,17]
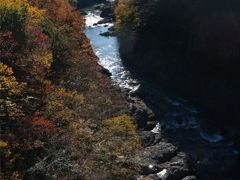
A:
[191,48]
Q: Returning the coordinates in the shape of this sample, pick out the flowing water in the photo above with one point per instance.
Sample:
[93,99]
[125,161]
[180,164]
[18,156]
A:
[106,48]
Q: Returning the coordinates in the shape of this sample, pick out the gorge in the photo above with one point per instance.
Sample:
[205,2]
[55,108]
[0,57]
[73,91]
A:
[119,89]
[182,142]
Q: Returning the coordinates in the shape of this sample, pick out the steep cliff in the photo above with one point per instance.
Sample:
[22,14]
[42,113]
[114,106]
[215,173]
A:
[190,48]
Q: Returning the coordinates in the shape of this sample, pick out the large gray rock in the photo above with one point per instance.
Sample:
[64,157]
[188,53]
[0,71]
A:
[141,113]
[148,138]
[190,178]
[157,154]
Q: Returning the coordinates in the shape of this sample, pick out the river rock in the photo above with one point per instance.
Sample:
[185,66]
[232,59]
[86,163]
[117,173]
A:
[108,33]
[177,167]
[83,13]
[141,113]
[112,28]
[106,72]
[104,21]
[149,138]
[157,154]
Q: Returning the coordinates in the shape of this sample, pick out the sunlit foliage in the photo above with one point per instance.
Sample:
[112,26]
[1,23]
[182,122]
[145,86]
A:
[62,106]
[126,13]
[10,91]
[118,143]
[13,15]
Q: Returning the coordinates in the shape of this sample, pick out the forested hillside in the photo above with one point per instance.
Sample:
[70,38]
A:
[189,48]
[60,116]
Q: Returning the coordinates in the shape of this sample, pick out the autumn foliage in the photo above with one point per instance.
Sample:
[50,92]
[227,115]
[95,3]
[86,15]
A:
[126,14]
[25,61]
[41,124]
[49,99]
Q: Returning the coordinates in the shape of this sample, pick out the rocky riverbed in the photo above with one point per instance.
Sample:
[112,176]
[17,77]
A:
[177,144]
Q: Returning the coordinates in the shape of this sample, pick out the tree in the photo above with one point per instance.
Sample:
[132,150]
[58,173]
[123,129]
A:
[10,92]
[117,143]
[13,16]
[126,14]
[7,45]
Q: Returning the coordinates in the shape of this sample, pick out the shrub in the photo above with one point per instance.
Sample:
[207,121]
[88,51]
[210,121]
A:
[13,17]
[62,106]
[117,142]
[41,124]
[58,42]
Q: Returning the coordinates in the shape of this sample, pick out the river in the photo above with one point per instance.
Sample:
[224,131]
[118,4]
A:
[180,115]
[106,48]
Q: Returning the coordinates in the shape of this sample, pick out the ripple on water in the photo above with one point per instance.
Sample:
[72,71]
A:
[212,137]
